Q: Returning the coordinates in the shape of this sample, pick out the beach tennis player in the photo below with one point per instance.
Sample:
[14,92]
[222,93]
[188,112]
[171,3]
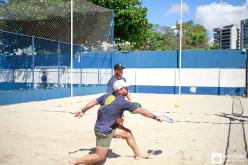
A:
[118,75]
[111,107]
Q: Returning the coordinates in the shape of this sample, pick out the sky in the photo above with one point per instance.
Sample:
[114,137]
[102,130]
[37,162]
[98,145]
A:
[209,13]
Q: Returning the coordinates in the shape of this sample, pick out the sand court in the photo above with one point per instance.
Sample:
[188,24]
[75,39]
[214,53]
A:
[206,130]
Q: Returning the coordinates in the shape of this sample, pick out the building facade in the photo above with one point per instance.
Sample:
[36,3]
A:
[244,34]
[227,37]
[230,36]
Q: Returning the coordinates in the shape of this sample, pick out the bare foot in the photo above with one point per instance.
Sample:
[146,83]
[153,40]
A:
[72,161]
[142,156]
[75,161]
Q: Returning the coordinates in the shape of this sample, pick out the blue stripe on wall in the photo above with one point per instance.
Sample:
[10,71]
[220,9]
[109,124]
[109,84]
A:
[6,62]
[190,59]
[237,91]
[41,95]
[148,59]
[213,59]
[152,59]
[14,86]
[152,89]
[93,60]
[46,60]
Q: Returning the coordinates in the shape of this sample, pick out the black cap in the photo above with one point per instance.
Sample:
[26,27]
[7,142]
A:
[119,66]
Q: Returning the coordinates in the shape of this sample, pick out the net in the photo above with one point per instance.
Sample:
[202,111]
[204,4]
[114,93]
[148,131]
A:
[35,49]
[92,24]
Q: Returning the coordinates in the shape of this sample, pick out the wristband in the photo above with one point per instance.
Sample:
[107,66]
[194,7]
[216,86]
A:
[154,117]
[82,111]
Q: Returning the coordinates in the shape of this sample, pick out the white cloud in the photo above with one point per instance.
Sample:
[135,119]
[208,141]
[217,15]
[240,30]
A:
[220,14]
[176,8]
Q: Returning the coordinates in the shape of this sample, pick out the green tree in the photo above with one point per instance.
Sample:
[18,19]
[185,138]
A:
[131,24]
[194,36]
[161,38]
[167,38]
[214,46]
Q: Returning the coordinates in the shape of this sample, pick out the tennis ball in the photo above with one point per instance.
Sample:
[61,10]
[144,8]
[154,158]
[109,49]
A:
[177,105]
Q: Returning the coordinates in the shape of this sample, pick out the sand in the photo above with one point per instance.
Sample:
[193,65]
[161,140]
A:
[207,130]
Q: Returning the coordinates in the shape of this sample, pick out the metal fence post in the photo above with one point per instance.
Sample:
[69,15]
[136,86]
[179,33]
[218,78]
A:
[80,57]
[58,64]
[98,70]
[33,51]
[246,75]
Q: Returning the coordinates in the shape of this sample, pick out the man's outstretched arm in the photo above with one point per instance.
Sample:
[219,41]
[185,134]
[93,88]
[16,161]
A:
[148,114]
[86,108]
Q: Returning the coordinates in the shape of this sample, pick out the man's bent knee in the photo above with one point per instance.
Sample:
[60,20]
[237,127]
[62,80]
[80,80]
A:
[128,134]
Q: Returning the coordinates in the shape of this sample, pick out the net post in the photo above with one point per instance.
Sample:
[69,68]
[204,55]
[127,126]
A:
[246,75]
[33,62]
[81,58]
[71,75]
[58,64]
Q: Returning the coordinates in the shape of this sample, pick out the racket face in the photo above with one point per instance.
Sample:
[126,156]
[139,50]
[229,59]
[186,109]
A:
[168,119]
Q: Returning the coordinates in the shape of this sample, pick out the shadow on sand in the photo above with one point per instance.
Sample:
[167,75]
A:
[110,154]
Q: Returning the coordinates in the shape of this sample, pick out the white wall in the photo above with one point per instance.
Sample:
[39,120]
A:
[89,76]
[6,75]
[189,77]
[155,77]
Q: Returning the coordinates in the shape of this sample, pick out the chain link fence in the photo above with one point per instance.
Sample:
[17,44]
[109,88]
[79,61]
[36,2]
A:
[49,19]
[35,44]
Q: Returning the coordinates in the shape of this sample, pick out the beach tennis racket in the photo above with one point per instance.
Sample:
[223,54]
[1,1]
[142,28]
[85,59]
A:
[58,111]
[167,119]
